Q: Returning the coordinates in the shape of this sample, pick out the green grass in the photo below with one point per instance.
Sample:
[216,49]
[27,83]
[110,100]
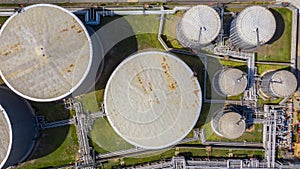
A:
[91,101]
[241,65]
[172,42]
[1,81]
[148,41]
[169,31]
[261,102]
[143,24]
[3,19]
[106,138]
[9,5]
[250,136]
[261,68]
[187,152]
[164,155]
[238,97]
[132,161]
[58,146]
[231,9]
[97,148]
[52,111]
[280,50]
[216,152]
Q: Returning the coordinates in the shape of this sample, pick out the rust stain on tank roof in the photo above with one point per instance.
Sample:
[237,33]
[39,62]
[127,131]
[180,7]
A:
[64,30]
[150,86]
[10,49]
[141,83]
[166,67]
[15,46]
[196,92]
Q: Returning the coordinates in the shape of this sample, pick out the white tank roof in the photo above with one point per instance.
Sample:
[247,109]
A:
[253,19]
[5,136]
[201,24]
[152,100]
[45,52]
[283,83]
[232,125]
[232,81]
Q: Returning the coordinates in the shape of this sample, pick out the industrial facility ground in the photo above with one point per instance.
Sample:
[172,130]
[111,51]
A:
[59,146]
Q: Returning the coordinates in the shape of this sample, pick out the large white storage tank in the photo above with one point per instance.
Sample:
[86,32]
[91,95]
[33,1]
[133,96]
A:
[278,84]
[18,129]
[252,27]
[45,52]
[152,100]
[198,27]
[230,82]
[228,123]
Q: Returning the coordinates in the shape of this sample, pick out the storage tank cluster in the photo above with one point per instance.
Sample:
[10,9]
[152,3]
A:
[152,100]
[277,84]
[230,82]
[45,54]
[252,27]
[199,26]
[228,123]
[18,130]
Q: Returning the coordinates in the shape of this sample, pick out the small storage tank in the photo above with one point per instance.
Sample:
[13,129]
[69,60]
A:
[253,27]
[228,123]
[18,129]
[278,84]
[198,27]
[230,82]
[45,52]
[152,100]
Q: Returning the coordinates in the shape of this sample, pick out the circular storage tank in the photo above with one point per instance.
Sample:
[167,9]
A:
[18,129]
[278,84]
[228,124]
[152,100]
[253,25]
[45,52]
[230,82]
[198,27]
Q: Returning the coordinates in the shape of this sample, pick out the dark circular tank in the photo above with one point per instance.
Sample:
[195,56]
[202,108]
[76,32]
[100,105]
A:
[21,128]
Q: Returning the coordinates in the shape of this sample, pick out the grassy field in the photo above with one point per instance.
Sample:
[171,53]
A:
[148,41]
[261,68]
[52,111]
[1,81]
[280,49]
[3,19]
[187,152]
[239,65]
[261,102]
[91,101]
[143,24]
[253,135]
[58,146]
[106,138]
